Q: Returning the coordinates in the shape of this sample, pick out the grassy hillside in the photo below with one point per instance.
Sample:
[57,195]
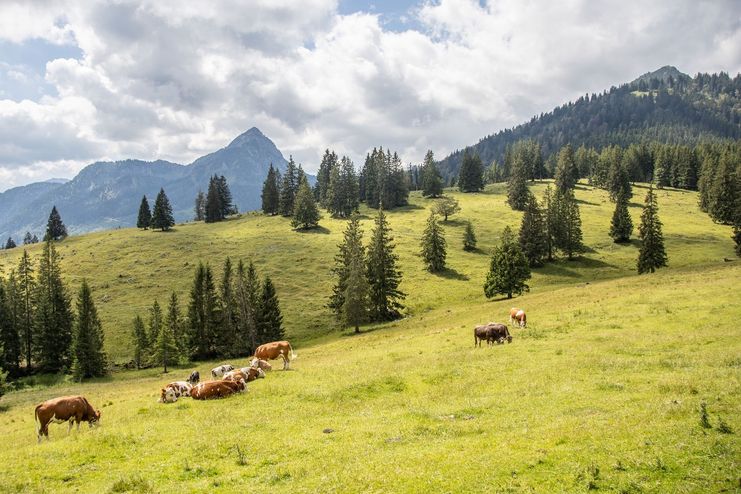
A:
[128,268]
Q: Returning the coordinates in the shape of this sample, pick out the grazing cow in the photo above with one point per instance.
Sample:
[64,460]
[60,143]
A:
[64,409]
[276,350]
[247,374]
[480,333]
[173,391]
[221,370]
[517,317]
[216,389]
[262,364]
[498,332]
[194,377]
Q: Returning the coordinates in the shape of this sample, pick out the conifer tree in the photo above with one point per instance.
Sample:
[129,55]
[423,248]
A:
[621,226]
[247,294]
[471,174]
[203,314]
[155,324]
[175,324]
[567,174]
[145,215]
[433,245]
[569,235]
[27,239]
[352,245]
[225,196]
[469,238]
[355,304]
[141,342]
[288,189]
[162,214]
[618,182]
[329,161]
[53,315]
[725,191]
[55,229]
[509,269]
[10,244]
[550,215]
[166,351]
[517,191]
[214,206]
[446,206]
[533,233]
[305,214]
[10,341]
[24,295]
[652,255]
[270,193]
[199,208]
[432,181]
[270,319]
[89,357]
[227,336]
[383,275]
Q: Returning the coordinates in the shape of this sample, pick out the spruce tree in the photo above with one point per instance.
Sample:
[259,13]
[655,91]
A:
[652,255]
[569,234]
[383,275]
[141,342]
[199,208]
[270,193]
[288,189]
[27,239]
[24,294]
[227,337]
[155,324]
[533,233]
[725,190]
[432,181]
[53,316]
[618,182]
[305,214]
[509,269]
[55,229]
[270,320]
[433,245]
[621,226]
[89,357]
[550,214]
[329,161]
[214,206]
[162,214]
[567,174]
[517,191]
[145,215]
[446,206]
[471,173]
[10,341]
[10,244]
[204,316]
[166,351]
[355,304]
[352,245]
[225,197]
[469,238]
[247,295]
[175,324]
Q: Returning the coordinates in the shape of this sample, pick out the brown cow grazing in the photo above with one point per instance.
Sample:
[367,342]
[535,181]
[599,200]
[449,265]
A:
[262,364]
[64,409]
[216,389]
[276,350]
[499,332]
[480,333]
[517,317]
[247,374]
[173,391]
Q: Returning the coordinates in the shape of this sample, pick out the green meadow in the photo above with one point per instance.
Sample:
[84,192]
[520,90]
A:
[602,391]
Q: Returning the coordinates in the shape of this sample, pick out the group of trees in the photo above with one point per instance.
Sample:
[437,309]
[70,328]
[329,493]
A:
[337,186]
[290,195]
[226,319]
[38,326]
[160,217]
[216,204]
[55,230]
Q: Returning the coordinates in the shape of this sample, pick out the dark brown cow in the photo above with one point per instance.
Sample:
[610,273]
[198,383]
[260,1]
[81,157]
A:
[276,350]
[480,333]
[492,332]
[216,389]
[64,409]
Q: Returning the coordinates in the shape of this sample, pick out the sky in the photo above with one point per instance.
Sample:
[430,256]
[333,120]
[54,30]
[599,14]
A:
[150,79]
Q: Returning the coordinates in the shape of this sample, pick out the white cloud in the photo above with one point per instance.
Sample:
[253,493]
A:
[158,80]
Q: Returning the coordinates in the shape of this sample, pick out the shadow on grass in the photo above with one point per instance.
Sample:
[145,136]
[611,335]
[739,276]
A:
[476,251]
[316,230]
[455,222]
[451,274]
[407,209]
[4,407]
[581,201]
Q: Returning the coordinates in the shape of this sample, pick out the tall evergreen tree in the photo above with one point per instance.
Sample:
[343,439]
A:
[652,255]
[89,357]
[567,174]
[621,226]
[155,324]
[227,337]
[145,215]
[199,208]
[10,244]
[469,238]
[471,174]
[24,295]
[204,316]
[305,214]
[225,197]
[141,342]
[551,217]
[533,233]
[618,183]
[53,316]
[175,325]
[432,181]
[10,341]
[166,351]
[247,294]
[569,234]
[352,245]
[270,319]
[517,191]
[355,304]
[383,275]
[55,229]
[162,214]
[27,239]
[288,189]
[509,269]
[214,206]
[329,161]
[270,193]
[725,192]
[433,245]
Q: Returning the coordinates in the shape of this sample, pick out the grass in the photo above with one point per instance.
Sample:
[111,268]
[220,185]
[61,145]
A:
[601,392]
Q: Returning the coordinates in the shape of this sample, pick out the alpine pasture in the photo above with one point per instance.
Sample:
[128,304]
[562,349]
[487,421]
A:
[602,390]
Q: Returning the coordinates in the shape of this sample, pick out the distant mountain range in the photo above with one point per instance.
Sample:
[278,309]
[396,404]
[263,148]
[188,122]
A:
[107,194]
[664,105]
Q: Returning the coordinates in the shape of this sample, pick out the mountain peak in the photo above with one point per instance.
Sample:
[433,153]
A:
[663,74]
[247,137]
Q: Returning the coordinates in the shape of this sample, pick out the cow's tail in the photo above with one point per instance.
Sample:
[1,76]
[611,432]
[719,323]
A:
[293,355]
[37,421]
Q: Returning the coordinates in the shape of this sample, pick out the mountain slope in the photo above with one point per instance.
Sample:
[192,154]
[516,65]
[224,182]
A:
[664,105]
[107,194]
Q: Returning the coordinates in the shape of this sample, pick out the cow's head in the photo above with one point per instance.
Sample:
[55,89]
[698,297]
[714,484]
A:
[509,338]
[95,419]
[167,395]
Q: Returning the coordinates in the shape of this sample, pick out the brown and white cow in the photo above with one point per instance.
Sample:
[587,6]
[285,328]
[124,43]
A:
[517,317]
[64,409]
[173,391]
[221,370]
[262,364]
[275,350]
[247,374]
[216,389]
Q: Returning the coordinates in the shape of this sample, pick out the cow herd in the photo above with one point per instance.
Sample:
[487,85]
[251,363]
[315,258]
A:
[495,332]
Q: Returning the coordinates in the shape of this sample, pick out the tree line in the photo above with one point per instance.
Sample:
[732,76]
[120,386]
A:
[230,317]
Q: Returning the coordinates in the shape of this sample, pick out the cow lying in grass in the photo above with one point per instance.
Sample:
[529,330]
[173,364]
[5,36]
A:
[173,391]
[492,332]
[64,409]
[247,374]
[221,370]
[261,364]
[216,389]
